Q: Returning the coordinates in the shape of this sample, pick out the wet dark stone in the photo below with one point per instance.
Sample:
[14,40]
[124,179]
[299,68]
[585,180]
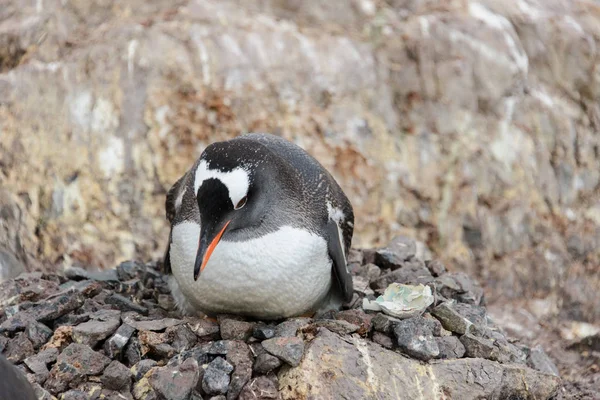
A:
[399,250]
[450,347]
[414,336]
[263,331]
[116,376]
[38,333]
[133,351]
[216,377]
[113,347]
[124,304]
[288,349]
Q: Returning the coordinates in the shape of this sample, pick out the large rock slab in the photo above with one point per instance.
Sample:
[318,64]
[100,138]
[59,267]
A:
[357,369]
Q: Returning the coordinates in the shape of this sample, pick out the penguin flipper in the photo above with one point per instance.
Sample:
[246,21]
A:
[340,266]
[170,211]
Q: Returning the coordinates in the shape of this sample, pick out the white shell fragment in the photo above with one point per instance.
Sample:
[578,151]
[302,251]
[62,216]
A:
[401,301]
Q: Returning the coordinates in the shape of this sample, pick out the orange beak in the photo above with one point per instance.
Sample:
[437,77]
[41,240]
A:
[204,251]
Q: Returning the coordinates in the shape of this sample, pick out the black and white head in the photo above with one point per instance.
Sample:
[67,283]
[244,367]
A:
[234,185]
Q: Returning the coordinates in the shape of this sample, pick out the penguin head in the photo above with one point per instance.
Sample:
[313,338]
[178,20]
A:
[234,188]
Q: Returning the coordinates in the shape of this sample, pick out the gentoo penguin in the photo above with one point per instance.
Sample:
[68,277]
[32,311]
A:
[258,228]
[13,384]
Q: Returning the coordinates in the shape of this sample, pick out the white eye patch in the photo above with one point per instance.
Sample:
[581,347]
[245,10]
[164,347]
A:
[237,181]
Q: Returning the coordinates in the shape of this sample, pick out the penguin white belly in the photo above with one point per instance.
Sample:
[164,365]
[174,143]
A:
[281,274]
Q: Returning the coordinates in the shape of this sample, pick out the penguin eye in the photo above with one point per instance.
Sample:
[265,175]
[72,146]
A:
[241,203]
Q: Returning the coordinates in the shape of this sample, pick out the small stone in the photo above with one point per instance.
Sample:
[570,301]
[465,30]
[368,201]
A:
[71,320]
[199,353]
[369,272]
[359,318]
[384,323]
[413,272]
[166,302]
[175,383]
[41,393]
[19,348]
[113,347]
[3,343]
[60,339]
[451,319]
[38,363]
[360,285]
[116,376]
[290,327]
[450,347]
[477,347]
[153,325]
[72,366]
[265,363]
[216,377]
[183,338]
[392,256]
[130,270]
[219,397]
[436,267]
[52,309]
[232,329]
[261,388]
[129,286]
[38,333]
[74,395]
[415,337]
[240,356]
[340,327]
[203,328]
[263,331]
[141,368]
[93,331]
[124,304]
[143,391]
[383,340]
[539,360]
[157,343]
[458,286]
[17,322]
[288,349]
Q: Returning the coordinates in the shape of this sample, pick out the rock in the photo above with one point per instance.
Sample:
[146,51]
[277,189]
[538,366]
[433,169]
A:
[384,323]
[414,336]
[266,363]
[71,320]
[41,393]
[117,377]
[3,343]
[183,337]
[450,347]
[216,377]
[240,356]
[263,331]
[153,325]
[124,304]
[38,363]
[358,318]
[383,340]
[92,332]
[451,319]
[259,388]
[338,326]
[539,360]
[52,309]
[203,328]
[113,347]
[478,347]
[288,349]
[436,267]
[369,272]
[392,256]
[158,344]
[219,347]
[290,327]
[141,368]
[60,339]
[133,351]
[412,273]
[19,348]
[232,329]
[175,383]
[460,287]
[357,369]
[71,369]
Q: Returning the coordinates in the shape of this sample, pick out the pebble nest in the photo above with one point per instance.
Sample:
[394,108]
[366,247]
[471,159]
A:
[116,334]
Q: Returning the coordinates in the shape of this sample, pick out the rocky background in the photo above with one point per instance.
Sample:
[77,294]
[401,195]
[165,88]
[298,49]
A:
[471,126]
